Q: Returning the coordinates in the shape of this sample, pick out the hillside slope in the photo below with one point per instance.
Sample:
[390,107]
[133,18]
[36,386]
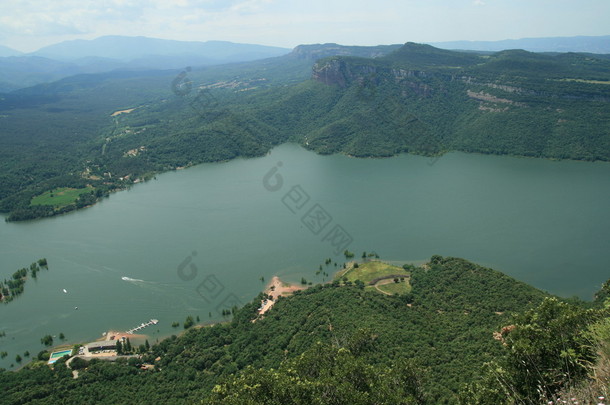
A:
[425,100]
[414,99]
[443,327]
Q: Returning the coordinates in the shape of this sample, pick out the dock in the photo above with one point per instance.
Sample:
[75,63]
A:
[142,326]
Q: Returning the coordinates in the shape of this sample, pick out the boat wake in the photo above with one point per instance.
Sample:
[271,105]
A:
[124,278]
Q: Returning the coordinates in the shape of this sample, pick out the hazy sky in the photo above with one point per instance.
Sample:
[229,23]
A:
[27,25]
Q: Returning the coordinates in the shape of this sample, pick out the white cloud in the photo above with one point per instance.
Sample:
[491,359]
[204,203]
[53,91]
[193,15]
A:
[30,24]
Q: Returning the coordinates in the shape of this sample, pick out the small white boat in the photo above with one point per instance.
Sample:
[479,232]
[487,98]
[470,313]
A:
[75,307]
[65,291]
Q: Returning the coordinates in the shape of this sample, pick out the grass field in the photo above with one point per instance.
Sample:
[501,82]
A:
[369,271]
[60,197]
[402,287]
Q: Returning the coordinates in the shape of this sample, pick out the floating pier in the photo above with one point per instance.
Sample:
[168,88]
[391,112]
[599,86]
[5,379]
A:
[142,326]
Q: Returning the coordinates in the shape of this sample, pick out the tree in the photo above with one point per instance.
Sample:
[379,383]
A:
[188,322]
[436,259]
[119,348]
[548,349]
[323,375]
[78,364]
[43,355]
[18,359]
[47,340]
[62,336]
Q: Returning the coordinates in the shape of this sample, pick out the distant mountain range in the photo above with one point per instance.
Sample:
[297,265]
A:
[318,51]
[132,49]
[6,51]
[362,101]
[54,62]
[108,53]
[599,44]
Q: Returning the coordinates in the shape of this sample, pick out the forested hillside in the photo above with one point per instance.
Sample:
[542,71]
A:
[339,343]
[108,130]
[425,100]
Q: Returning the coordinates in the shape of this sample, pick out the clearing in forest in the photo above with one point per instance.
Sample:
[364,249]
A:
[60,197]
[382,277]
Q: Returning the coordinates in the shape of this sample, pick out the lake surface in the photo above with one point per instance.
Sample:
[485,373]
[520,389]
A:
[196,241]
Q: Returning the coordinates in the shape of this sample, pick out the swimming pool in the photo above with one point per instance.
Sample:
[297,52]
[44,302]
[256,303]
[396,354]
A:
[58,355]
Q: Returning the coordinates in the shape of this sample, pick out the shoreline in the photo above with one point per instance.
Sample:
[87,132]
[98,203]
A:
[277,288]
[153,173]
[114,335]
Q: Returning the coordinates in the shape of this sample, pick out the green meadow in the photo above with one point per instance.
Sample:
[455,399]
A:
[369,271]
[60,197]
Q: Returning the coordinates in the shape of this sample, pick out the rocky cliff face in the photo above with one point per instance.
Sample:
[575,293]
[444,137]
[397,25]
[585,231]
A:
[319,51]
[337,71]
[343,73]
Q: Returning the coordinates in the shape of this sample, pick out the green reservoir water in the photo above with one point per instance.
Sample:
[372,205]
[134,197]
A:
[196,241]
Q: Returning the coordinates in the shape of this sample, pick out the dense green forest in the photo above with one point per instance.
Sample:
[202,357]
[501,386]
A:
[464,333]
[377,101]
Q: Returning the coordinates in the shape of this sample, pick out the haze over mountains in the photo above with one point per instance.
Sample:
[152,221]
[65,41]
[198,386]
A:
[108,53]
[119,52]
[437,335]
[6,51]
[129,49]
[361,101]
[599,44]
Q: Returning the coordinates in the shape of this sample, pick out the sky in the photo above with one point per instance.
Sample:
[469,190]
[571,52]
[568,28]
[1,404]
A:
[28,25]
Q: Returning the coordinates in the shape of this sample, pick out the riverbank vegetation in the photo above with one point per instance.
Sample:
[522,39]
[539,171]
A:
[444,341]
[418,99]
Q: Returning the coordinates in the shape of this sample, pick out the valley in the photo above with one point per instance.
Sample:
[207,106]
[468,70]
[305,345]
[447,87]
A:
[412,99]
[327,224]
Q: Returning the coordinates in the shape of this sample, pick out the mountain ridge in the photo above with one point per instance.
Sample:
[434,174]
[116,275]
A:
[126,48]
[415,99]
[590,44]
[108,53]
[6,51]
